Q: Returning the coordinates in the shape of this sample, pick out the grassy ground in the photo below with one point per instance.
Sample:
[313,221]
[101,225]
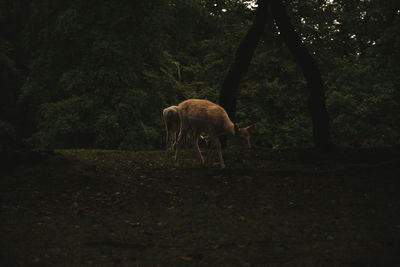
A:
[92,207]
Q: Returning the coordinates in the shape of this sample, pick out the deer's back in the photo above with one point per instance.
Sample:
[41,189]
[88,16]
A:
[205,116]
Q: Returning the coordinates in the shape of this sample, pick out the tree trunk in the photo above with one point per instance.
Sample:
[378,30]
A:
[311,72]
[229,91]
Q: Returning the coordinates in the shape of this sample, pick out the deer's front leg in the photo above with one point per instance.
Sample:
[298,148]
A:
[221,159]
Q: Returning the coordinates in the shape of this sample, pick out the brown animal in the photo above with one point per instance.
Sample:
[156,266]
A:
[172,127]
[197,116]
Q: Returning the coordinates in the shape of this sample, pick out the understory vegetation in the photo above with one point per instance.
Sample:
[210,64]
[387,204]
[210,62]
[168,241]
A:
[97,75]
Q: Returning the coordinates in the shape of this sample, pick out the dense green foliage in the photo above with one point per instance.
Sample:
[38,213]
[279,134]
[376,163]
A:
[98,74]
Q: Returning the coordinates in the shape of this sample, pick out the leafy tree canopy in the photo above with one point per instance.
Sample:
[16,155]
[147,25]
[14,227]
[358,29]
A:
[98,74]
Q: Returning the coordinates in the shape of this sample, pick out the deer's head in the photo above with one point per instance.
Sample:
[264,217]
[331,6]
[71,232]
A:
[244,134]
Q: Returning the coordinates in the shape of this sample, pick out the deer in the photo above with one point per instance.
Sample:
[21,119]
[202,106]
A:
[199,115]
[172,128]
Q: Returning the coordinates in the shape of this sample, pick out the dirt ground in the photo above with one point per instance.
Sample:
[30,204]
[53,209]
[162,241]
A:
[267,208]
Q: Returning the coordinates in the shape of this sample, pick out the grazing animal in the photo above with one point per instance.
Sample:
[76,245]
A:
[197,116]
[172,127]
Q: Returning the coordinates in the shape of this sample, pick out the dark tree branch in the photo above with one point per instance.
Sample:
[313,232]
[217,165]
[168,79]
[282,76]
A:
[311,72]
[229,90]
[244,54]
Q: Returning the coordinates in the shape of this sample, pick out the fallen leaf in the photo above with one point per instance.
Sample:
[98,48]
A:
[132,223]
[186,258]
[307,191]
[371,211]
[195,256]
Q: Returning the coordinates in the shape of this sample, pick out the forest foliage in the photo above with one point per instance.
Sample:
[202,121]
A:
[92,74]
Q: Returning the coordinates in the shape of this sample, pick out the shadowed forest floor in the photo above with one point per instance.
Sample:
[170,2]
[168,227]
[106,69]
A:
[267,208]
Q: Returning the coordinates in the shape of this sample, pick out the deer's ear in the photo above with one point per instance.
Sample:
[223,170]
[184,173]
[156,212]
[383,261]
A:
[250,127]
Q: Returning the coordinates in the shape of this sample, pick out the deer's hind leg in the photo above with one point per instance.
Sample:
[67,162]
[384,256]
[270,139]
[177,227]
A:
[178,144]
